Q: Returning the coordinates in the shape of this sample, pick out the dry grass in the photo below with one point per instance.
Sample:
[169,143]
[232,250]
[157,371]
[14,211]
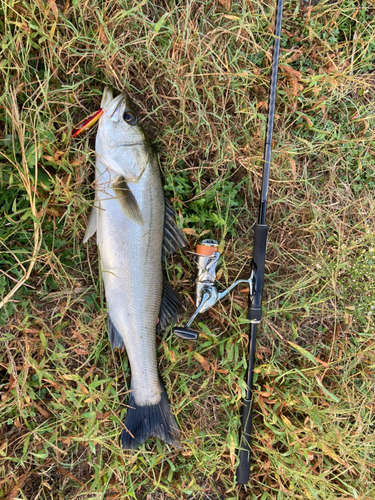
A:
[199,76]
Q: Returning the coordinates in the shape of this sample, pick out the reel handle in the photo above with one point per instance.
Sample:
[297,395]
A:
[186,332]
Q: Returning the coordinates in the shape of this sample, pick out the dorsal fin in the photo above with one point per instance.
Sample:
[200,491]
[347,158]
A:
[174,238]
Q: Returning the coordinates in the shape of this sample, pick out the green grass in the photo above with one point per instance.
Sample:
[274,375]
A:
[199,76]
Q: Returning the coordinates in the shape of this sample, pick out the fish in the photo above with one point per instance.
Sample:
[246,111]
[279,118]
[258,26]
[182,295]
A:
[135,229]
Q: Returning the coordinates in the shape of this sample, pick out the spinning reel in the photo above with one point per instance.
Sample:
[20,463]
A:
[207,295]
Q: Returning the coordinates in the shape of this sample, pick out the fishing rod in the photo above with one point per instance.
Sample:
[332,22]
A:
[258,265]
[207,255]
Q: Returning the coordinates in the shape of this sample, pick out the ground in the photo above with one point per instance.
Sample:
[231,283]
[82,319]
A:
[198,73]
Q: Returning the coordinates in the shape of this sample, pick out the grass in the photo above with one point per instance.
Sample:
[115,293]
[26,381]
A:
[199,74]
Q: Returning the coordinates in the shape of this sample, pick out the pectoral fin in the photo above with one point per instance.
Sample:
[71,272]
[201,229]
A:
[92,224]
[127,201]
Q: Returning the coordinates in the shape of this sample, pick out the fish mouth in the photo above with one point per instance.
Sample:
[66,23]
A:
[113,111]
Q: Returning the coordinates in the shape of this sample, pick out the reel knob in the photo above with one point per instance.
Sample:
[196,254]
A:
[185,333]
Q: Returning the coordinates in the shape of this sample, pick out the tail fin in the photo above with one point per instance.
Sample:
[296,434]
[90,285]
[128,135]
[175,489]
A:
[142,422]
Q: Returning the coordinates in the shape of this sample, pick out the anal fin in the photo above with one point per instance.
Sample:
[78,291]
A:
[114,336]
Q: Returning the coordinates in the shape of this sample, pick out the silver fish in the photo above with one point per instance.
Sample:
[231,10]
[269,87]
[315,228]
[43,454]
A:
[134,225]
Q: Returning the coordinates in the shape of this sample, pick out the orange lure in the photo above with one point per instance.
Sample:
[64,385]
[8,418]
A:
[87,123]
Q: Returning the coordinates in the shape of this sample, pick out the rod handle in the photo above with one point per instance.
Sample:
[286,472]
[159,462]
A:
[259,258]
[243,469]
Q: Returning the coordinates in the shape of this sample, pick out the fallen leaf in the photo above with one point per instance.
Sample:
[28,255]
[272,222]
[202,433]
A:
[103,36]
[293,166]
[203,361]
[286,421]
[86,376]
[80,337]
[333,455]
[49,158]
[81,352]
[53,7]
[58,155]
[45,414]
[268,393]
[204,232]
[189,230]
[69,475]
[263,406]
[12,382]
[13,493]
[232,451]
[219,370]
[83,388]
[297,87]
[225,3]
[251,6]
[307,119]
[62,308]
[232,18]
[17,423]
[102,416]
[291,71]
[348,319]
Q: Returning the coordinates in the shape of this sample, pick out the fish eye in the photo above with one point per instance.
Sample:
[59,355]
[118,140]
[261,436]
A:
[130,118]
